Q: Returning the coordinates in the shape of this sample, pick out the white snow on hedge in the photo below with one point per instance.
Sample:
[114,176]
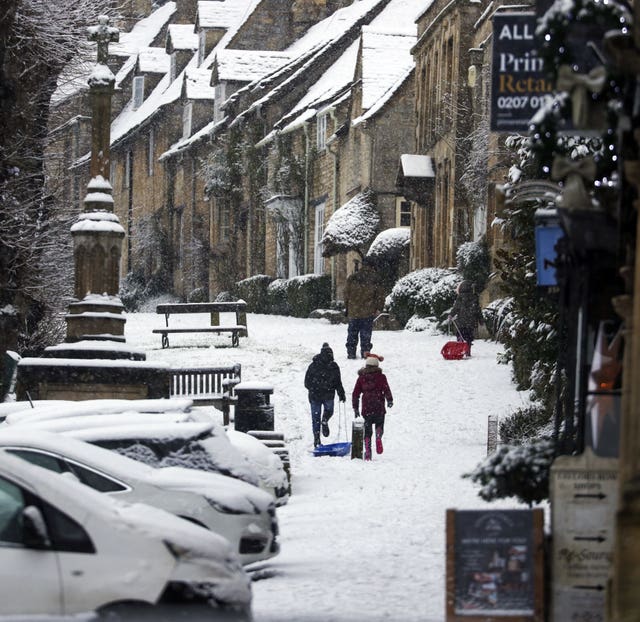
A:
[390,242]
[351,226]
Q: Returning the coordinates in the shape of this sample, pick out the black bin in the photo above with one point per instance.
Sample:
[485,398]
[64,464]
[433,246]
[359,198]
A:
[253,409]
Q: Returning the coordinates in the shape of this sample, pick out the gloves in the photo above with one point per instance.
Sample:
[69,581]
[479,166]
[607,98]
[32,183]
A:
[390,404]
[356,412]
[343,398]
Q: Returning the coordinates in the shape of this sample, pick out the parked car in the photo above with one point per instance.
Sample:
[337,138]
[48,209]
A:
[66,549]
[243,514]
[186,437]
[186,444]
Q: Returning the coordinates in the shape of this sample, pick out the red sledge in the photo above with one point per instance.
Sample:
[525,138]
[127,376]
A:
[455,350]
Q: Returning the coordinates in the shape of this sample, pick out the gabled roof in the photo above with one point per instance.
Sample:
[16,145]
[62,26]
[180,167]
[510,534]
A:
[181,37]
[247,65]
[197,84]
[223,13]
[74,77]
[153,60]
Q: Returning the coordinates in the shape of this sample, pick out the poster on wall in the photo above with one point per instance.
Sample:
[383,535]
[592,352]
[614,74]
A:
[494,565]
[520,87]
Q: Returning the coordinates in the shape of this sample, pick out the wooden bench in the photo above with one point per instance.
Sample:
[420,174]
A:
[237,330]
[207,386]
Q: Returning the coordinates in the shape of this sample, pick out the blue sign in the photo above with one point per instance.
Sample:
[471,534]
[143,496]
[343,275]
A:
[547,235]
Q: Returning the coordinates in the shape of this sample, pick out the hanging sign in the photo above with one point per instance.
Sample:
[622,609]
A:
[519,85]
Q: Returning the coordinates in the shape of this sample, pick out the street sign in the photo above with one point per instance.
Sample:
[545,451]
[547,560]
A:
[519,85]
[584,492]
[494,565]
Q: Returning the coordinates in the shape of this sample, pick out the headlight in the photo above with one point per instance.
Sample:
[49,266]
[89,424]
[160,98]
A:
[223,509]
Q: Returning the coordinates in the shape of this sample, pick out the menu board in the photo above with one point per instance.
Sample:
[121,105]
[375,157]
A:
[494,564]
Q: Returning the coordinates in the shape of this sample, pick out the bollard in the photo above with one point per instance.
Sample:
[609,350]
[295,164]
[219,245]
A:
[253,410]
[357,438]
[492,434]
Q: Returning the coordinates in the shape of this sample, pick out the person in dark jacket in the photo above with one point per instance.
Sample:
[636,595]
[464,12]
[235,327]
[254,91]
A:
[364,299]
[323,381]
[466,313]
[372,384]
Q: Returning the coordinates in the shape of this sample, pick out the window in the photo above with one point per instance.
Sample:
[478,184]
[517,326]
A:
[65,533]
[318,259]
[95,480]
[321,128]
[218,100]
[224,221]
[151,156]
[44,460]
[187,113]
[11,506]
[126,180]
[403,213]
[138,91]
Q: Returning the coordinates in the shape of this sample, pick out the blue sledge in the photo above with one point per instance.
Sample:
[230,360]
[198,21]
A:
[333,449]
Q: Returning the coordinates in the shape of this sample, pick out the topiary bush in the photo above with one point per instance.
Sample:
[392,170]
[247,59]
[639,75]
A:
[426,292]
[254,291]
[200,294]
[474,263]
[520,471]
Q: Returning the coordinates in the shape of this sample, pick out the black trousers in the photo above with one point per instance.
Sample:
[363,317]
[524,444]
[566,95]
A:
[370,421]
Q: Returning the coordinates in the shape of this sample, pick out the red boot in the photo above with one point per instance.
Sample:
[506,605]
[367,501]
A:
[367,448]
[379,447]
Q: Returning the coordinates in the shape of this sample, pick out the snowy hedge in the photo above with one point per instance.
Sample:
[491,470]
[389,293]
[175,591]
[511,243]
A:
[390,252]
[299,295]
[429,292]
[520,471]
[474,263]
[254,291]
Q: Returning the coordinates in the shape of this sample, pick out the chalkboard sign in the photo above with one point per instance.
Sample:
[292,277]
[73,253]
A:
[495,565]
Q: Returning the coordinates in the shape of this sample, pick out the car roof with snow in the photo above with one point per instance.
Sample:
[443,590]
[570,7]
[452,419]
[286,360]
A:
[227,490]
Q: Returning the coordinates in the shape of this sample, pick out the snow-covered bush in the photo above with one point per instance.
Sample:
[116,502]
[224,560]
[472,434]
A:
[299,295]
[426,292]
[277,297]
[254,292]
[520,471]
[200,294]
[389,252]
[474,263]
[496,316]
[524,425]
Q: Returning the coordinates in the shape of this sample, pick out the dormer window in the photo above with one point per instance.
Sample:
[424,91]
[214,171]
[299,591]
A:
[138,91]
[321,129]
[218,100]
[187,113]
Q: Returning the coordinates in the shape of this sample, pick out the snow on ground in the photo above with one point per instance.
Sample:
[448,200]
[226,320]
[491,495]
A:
[360,541]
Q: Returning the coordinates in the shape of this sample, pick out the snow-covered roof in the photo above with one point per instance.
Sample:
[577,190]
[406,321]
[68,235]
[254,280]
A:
[417,165]
[248,65]
[198,83]
[143,32]
[153,60]
[182,37]
[385,58]
[223,13]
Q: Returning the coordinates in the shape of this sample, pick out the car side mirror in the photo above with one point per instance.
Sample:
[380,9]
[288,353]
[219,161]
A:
[34,530]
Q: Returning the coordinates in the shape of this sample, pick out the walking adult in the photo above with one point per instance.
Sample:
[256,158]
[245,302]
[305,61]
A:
[364,300]
[323,381]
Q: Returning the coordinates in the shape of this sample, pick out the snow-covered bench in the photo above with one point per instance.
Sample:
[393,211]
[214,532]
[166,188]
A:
[237,330]
[206,386]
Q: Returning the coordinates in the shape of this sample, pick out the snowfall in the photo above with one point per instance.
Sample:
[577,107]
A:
[360,541]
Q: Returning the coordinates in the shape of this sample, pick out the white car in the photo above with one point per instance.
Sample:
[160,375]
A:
[242,513]
[185,437]
[66,549]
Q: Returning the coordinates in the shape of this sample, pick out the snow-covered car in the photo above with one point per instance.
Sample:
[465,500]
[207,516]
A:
[66,549]
[267,464]
[185,439]
[242,513]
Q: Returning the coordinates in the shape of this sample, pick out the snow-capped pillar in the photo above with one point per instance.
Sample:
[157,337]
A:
[101,86]
[98,235]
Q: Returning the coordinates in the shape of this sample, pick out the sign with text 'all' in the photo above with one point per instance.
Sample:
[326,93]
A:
[519,85]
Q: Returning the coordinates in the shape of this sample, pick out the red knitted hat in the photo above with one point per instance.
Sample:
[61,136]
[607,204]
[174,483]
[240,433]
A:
[376,356]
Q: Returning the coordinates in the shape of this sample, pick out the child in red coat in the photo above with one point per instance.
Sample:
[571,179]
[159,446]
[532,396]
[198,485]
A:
[373,386]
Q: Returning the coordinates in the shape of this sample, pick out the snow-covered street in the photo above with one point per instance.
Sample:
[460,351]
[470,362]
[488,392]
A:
[360,541]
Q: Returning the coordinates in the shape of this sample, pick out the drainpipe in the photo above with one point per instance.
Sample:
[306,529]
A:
[306,197]
[334,155]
